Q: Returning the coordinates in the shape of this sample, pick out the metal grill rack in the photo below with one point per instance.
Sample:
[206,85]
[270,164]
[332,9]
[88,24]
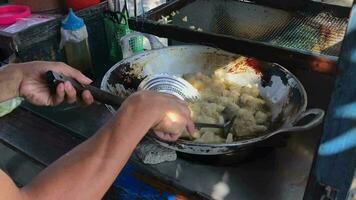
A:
[310,36]
[319,33]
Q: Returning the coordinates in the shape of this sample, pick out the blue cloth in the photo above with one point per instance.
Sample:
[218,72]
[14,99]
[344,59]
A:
[131,187]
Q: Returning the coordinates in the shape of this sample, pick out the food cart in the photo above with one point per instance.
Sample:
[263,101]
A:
[313,40]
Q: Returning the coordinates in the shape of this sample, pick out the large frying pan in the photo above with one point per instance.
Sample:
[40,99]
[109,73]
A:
[279,86]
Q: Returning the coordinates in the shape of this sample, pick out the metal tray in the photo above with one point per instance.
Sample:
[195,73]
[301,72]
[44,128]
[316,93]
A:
[307,37]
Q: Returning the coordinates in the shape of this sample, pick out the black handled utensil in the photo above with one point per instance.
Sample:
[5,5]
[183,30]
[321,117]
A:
[226,127]
[53,79]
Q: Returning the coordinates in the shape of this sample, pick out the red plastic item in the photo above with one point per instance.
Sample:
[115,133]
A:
[10,13]
[81,4]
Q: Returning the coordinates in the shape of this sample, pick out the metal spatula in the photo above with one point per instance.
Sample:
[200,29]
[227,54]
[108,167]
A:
[170,84]
[226,127]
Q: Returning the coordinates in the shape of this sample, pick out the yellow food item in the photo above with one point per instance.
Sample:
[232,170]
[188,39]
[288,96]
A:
[251,110]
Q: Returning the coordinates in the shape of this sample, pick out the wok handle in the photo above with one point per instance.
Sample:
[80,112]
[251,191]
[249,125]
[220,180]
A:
[53,79]
[318,118]
[125,43]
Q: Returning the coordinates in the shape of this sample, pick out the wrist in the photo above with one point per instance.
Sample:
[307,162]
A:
[17,76]
[131,120]
[12,74]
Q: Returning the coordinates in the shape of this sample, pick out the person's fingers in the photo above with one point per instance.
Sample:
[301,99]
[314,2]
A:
[186,112]
[87,98]
[174,136]
[59,97]
[174,128]
[81,78]
[160,134]
[177,100]
[74,73]
[166,136]
[190,127]
[71,94]
[184,103]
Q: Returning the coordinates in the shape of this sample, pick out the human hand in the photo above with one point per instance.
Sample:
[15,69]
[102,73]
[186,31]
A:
[167,115]
[35,88]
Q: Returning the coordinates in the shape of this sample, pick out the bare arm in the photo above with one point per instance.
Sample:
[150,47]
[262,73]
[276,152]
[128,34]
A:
[27,80]
[93,164]
[96,163]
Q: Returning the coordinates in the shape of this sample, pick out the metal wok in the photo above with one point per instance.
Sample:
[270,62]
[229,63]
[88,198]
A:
[278,86]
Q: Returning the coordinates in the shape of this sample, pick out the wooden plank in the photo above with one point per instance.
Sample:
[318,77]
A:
[35,137]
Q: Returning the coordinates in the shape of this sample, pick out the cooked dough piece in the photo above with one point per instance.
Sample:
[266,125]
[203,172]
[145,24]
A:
[252,112]
[207,112]
[261,117]
[186,135]
[252,103]
[185,19]
[230,138]
[244,122]
[210,137]
[251,90]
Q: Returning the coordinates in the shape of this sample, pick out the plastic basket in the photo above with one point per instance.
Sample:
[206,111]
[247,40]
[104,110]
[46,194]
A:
[115,31]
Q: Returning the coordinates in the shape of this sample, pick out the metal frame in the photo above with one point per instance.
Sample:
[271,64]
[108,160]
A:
[335,161]
[272,53]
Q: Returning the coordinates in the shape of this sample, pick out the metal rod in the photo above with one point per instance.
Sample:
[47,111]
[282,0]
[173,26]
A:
[126,8]
[135,8]
[142,8]
[205,125]
[117,4]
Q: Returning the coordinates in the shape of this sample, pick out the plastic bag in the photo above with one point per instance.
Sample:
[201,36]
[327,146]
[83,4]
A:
[8,106]
[73,36]
[24,23]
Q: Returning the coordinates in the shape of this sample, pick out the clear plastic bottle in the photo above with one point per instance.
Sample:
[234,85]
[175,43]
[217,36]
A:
[75,41]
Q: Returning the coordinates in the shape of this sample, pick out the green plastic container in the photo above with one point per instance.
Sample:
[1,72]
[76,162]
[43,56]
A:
[115,30]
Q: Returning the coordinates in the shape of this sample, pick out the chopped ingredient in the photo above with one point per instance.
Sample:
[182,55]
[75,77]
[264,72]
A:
[200,29]
[164,20]
[230,138]
[192,27]
[185,19]
[120,90]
